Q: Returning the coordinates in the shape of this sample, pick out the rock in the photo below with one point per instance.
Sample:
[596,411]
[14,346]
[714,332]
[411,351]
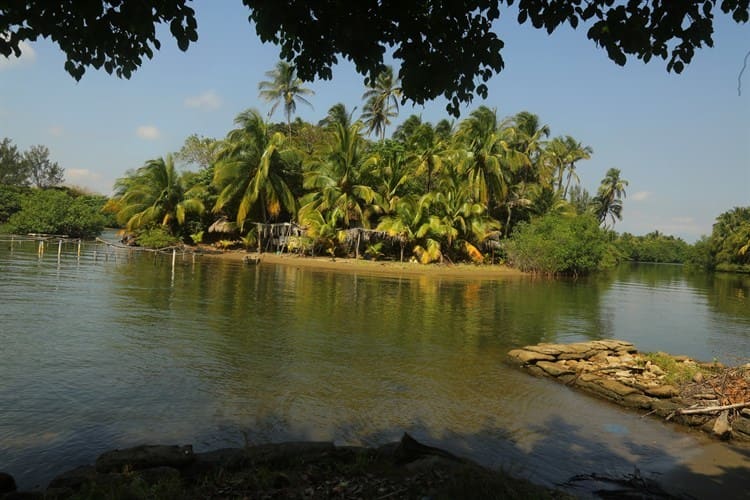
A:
[281,453]
[664,407]
[7,483]
[554,369]
[637,400]
[721,428]
[655,369]
[529,356]
[232,459]
[156,475]
[567,378]
[536,371]
[741,428]
[745,412]
[662,391]
[74,478]
[681,358]
[548,349]
[616,387]
[144,457]
[600,357]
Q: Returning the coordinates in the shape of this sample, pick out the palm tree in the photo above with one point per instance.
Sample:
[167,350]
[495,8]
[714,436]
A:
[156,195]
[381,102]
[251,170]
[284,87]
[489,160]
[608,201]
[562,153]
[335,181]
[403,222]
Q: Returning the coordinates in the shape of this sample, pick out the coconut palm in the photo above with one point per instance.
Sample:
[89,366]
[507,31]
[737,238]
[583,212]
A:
[489,160]
[155,195]
[403,222]
[608,201]
[562,153]
[335,181]
[381,102]
[251,171]
[284,87]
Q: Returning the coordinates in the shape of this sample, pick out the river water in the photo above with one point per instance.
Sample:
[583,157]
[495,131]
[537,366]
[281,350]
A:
[113,349]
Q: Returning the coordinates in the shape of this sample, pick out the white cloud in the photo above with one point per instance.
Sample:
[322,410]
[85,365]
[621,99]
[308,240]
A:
[640,195]
[81,174]
[28,55]
[56,131]
[207,101]
[148,132]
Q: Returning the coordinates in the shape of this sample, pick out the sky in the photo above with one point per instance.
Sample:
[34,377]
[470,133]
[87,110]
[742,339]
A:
[682,141]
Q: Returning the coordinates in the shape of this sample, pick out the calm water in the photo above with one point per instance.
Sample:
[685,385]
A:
[100,353]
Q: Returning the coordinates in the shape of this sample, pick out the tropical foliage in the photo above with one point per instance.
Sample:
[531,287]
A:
[728,247]
[439,192]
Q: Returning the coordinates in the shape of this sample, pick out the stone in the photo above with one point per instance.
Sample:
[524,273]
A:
[655,369]
[721,428]
[74,478]
[145,457]
[745,412]
[664,407]
[600,357]
[232,459]
[698,378]
[662,391]
[536,371]
[567,378]
[637,400]
[529,356]
[7,483]
[156,475]
[280,453]
[616,387]
[548,349]
[554,369]
[681,358]
[741,428]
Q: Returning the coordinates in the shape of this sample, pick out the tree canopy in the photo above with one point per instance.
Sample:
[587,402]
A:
[445,48]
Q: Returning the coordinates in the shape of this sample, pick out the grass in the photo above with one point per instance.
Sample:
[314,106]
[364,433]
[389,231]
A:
[676,372]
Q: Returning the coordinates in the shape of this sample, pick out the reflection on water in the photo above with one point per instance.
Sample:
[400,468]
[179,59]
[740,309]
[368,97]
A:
[104,353]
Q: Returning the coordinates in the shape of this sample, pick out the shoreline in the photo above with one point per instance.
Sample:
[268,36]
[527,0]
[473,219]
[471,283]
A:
[374,267]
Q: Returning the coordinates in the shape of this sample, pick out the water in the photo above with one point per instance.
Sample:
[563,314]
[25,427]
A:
[119,350]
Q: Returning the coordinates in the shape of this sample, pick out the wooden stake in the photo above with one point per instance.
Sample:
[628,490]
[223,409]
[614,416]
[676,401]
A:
[79,249]
[59,249]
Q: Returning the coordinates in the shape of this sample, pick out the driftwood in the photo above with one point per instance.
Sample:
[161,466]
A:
[711,409]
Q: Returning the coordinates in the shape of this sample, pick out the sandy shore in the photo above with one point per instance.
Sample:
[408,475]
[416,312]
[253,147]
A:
[382,268]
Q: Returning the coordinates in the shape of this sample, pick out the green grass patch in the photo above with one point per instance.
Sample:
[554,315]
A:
[676,372]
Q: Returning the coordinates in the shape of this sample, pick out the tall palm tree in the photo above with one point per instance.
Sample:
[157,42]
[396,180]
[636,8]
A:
[381,102]
[490,160]
[335,182]
[562,153]
[608,201]
[156,195]
[284,87]
[251,170]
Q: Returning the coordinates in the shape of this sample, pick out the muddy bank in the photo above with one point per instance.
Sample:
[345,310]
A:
[318,470]
[707,396]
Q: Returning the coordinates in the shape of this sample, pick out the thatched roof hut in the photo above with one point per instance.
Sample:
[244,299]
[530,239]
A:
[223,225]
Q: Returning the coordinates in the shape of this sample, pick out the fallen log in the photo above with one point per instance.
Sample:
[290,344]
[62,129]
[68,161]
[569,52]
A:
[711,409]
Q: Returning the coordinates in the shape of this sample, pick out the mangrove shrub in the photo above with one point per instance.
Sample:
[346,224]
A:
[555,244]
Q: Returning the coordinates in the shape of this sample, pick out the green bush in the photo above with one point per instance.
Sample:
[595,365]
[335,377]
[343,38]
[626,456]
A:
[156,237]
[54,211]
[555,244]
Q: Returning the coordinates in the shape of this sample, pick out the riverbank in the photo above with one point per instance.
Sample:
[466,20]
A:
[309,470]
[706,396]
[372,267]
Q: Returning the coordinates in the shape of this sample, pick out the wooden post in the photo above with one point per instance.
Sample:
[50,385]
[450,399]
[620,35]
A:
[260,249]
[40,252]
[79,249]
[174,257]
[59,250]
[356,252]
[12,238]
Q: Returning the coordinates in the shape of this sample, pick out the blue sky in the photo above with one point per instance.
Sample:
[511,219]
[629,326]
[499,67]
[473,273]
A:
[682,141]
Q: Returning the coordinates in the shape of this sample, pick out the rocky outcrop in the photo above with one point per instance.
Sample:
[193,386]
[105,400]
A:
[284,470]
[708,395]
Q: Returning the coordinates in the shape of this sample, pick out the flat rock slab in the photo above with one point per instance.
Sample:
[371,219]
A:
[145,457]
[614,370]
